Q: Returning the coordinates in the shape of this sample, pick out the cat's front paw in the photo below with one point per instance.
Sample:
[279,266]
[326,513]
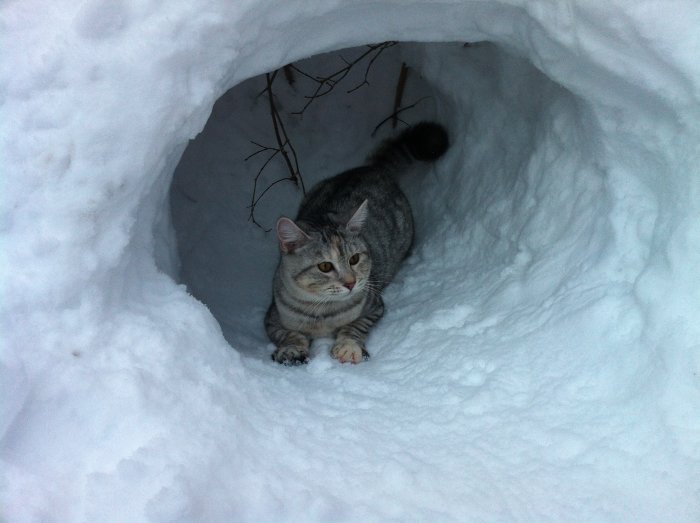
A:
[291,355]
[349,351]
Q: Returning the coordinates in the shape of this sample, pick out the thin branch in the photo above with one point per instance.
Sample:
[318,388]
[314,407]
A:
[255,202]
[398,97]
[262,149]
[396,113]
[303,73]
[284,148]
[365,81]
[289,74]
[326,84]
[278,126]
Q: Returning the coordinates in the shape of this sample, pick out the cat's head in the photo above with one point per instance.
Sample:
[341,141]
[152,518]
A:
[331,262]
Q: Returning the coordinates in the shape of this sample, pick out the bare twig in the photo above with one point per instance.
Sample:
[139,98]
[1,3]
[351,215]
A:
[262,149]
[398,97]
[254,200]
[289,74]
[326,84]
[323,86]
[396,113]
[380,48]
[280,131]
[284,148]
[267,189]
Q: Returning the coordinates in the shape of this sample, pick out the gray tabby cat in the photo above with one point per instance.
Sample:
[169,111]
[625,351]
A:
[349,238]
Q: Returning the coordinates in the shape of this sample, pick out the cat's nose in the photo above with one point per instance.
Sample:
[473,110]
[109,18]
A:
[349,284]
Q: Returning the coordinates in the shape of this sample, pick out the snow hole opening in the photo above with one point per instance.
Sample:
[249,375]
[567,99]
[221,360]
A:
[507,205]
[539,353]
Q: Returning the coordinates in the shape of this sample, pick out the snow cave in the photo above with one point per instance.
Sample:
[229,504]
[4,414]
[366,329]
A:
[539,358]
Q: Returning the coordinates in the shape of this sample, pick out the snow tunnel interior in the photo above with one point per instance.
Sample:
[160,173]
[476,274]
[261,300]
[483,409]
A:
[538,356]
[515,198]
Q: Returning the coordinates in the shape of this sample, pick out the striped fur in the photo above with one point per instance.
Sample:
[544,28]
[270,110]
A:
[359,226]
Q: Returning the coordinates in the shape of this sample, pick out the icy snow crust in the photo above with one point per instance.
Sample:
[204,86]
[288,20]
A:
[540,354]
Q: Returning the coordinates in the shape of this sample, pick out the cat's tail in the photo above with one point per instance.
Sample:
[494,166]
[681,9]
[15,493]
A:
[426,142]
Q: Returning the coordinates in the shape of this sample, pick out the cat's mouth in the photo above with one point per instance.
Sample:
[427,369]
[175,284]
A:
[342,292]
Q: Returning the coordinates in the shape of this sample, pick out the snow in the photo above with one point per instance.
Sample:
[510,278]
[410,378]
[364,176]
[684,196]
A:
[539,357]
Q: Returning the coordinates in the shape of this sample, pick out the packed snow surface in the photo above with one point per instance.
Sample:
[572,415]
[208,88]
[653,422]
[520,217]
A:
[539,358]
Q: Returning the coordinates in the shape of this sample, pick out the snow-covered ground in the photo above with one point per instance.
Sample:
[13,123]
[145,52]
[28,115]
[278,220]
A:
[540,354]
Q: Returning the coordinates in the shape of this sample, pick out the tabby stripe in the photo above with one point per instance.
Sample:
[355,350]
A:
[307,269]
[290,307]
[301,312]
[281,336]
[358,329]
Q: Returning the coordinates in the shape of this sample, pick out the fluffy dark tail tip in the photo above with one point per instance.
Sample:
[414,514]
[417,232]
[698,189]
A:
[427,141]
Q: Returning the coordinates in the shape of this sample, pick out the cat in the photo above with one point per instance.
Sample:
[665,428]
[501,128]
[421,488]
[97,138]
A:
[350,236]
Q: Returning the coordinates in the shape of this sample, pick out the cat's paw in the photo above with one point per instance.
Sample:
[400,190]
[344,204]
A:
[291,355]
[349,351]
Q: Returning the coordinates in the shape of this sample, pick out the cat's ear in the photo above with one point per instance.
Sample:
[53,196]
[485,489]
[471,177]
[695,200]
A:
[291,237]
[358,219]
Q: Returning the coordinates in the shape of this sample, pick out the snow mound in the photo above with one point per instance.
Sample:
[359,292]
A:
[539,357]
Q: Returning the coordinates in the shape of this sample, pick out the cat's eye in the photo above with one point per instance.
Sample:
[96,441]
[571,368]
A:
[325,266]
[354,259]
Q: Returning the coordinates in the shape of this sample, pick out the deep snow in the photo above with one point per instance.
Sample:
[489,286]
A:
[539,357]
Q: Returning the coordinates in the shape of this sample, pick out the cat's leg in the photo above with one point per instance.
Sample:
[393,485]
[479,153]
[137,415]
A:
[292,346]
[349,344]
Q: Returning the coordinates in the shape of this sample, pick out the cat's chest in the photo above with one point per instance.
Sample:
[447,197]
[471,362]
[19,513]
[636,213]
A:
[318,320]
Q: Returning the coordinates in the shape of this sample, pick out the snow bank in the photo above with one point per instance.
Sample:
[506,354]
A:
[539,358]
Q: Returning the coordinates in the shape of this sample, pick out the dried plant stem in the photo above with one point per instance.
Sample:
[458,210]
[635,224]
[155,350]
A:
[396,113]
[284,148]
[398,97]
[326,84]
